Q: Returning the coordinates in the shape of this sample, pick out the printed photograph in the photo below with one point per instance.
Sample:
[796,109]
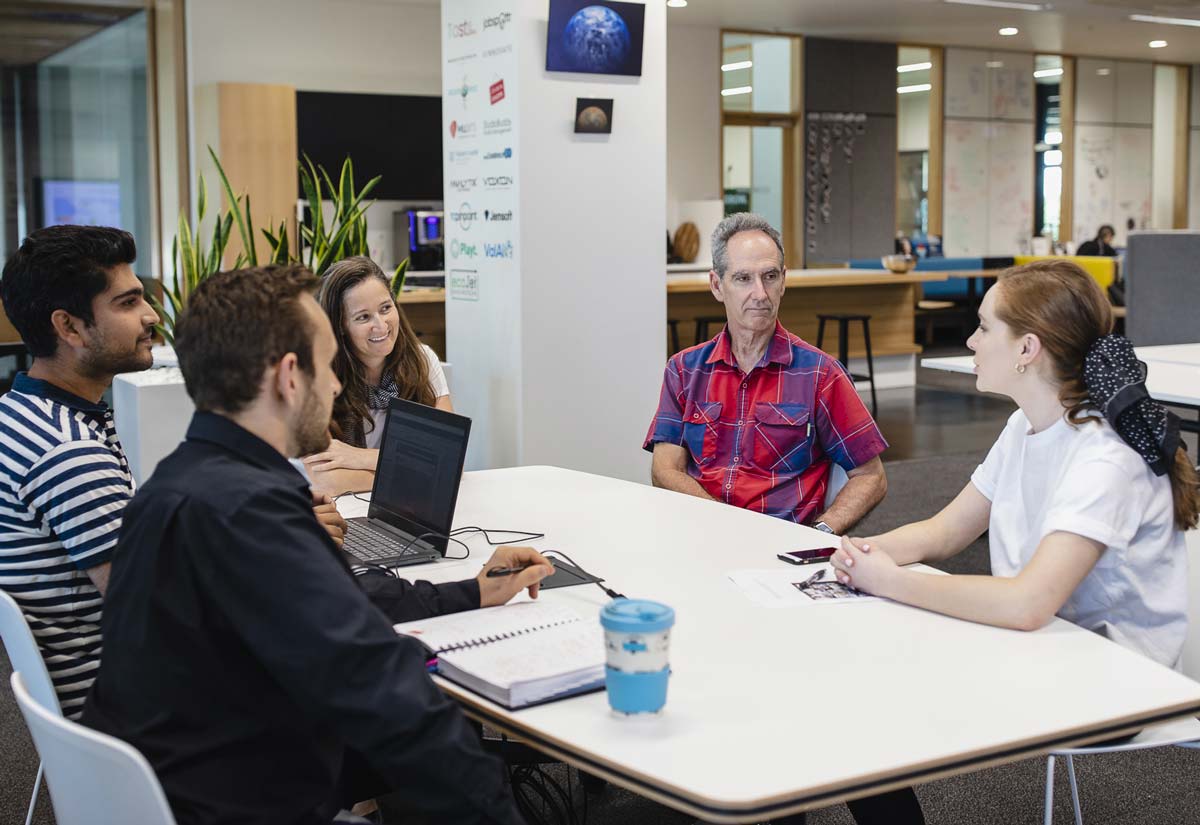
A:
[596,38]
[593,115]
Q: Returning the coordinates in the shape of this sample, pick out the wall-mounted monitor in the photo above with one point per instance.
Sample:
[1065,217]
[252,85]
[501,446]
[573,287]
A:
[82,202]
[596,38]
[396,136]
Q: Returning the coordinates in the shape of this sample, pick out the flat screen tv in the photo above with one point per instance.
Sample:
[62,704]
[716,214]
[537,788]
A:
[82,202]
[396,136]
[595,38]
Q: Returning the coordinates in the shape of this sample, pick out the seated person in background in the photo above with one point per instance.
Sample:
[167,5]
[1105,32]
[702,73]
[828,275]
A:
[1085,495]
[71,293]
[240,655]
[379,358]
[1100,245]
[756,417]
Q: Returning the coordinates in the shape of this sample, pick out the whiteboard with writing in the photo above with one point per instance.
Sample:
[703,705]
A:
[988,188]
[1113,174]
[965,189]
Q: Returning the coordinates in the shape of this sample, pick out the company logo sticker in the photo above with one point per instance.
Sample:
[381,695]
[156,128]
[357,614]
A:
[498,22]
[457,31]
[498,182]
[496,91]
[497,216]
[461,129]
[497,126]
[464,216]
[463,184]
[458,249]
[505,154]
[498,250]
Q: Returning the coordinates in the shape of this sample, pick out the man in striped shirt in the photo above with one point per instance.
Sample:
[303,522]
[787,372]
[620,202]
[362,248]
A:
[71,293]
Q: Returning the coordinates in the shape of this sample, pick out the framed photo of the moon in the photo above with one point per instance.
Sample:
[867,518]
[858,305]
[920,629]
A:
[593,115]
[595,37]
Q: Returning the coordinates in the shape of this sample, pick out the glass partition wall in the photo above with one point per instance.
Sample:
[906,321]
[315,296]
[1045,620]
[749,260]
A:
[914,70]
[1048,147]
[760,80]
[75,128]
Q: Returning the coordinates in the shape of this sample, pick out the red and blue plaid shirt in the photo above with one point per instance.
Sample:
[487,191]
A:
[764,441]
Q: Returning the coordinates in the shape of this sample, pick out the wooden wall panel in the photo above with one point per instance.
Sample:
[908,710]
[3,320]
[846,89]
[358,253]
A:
[257,135]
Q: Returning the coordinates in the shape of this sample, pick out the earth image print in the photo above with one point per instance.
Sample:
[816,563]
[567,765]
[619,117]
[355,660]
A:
[596,39]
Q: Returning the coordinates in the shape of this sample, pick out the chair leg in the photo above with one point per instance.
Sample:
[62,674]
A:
[1074,789]
[820,333]
[37,786]
[870,367]
[1048,815]
[844,344]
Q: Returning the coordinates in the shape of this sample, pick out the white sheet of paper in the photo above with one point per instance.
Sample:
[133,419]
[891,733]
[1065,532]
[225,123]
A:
[775,587]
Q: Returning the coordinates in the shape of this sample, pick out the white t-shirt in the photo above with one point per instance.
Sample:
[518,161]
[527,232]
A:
[437,382]
[1086,480]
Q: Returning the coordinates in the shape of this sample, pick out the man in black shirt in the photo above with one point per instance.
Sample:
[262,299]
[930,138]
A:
[240,655]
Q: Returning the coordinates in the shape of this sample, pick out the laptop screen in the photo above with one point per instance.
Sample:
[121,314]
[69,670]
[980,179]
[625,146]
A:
[420,466]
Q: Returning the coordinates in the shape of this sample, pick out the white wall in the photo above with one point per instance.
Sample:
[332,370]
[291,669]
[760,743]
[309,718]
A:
[1162,208]
[594,305]
[693,116]
[317,45]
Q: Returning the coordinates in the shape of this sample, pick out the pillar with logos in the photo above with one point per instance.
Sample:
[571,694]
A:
[554,169]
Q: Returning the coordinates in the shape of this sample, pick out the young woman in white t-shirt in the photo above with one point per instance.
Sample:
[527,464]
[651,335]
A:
[1085,520]
[379,358]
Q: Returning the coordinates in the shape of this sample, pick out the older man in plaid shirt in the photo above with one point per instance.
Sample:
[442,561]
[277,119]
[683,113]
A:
[756,417]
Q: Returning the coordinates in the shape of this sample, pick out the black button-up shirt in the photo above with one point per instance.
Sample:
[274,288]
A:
[242,658]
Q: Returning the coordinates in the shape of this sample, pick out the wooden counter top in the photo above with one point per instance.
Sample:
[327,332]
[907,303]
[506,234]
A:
[422,296]
[800,278]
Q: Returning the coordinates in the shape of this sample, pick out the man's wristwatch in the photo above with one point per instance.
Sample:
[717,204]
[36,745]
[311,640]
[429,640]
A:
[823,527]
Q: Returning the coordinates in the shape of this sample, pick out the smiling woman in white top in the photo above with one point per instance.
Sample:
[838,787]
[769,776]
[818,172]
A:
[1085,494]
[379,358]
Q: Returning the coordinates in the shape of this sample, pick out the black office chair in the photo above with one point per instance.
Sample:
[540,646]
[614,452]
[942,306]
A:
[843,356]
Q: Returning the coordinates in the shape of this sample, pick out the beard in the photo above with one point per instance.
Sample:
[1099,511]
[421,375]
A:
[106,359]
[310,428]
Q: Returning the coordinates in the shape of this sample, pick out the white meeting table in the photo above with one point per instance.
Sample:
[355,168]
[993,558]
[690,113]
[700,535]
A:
[1172,374]
[776,710]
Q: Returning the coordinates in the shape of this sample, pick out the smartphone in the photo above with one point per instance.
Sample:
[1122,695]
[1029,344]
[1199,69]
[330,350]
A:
[807,556]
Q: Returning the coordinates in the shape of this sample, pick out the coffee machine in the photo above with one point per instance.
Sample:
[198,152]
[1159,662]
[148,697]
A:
[421,231]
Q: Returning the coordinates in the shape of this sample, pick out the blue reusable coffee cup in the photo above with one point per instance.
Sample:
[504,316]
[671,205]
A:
[637,640]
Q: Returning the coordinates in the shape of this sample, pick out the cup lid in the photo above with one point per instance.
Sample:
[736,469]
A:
[636,616]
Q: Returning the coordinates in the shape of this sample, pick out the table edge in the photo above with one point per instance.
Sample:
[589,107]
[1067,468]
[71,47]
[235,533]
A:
[724,811]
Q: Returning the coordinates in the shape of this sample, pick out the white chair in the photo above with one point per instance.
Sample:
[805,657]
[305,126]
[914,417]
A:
[25,657]
[1183,733]
[94,779]
[837,480]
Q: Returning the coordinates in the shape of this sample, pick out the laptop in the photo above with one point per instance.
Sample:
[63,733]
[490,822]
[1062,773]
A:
[420,467]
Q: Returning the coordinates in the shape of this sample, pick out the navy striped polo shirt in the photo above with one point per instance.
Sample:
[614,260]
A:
[64,484]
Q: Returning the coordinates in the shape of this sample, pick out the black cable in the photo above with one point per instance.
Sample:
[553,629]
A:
[612,594]
[521,535]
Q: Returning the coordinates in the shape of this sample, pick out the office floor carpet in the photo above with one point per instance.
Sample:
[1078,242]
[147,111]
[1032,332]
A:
[1145,788]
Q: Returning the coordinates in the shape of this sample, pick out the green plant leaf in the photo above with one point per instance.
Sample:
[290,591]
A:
[235,208]
[398,277]
[201,201]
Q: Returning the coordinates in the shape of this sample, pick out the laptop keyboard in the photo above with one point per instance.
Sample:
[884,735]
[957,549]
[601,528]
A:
[374,545]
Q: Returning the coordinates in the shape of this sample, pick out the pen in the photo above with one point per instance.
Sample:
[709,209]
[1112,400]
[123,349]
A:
[815,577]
[496,572]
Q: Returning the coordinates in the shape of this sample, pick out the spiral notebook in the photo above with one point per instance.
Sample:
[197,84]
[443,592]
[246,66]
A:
[517,655]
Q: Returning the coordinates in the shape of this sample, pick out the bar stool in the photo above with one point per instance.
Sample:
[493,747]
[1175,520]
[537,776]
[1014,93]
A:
[843,322]
[702,326]
[673,329]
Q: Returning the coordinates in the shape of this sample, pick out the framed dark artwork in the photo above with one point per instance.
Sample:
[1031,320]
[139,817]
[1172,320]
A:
[593,115]
[596,38]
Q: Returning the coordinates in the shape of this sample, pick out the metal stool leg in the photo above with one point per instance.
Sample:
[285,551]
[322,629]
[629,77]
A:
[870,366]
[37,785]
[844,343]
[1074,790]
[674,328]
[1048,815]
[820,333]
